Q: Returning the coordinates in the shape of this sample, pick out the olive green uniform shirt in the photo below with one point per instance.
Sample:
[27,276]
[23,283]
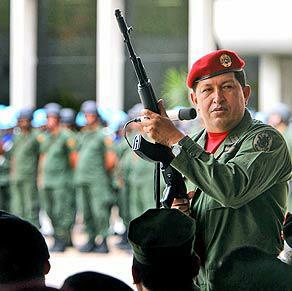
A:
[57,170]
[24,156]
[91,157]
[5,164]
[244,191]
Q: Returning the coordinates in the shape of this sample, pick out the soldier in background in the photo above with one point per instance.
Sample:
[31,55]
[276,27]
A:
[57,161]
[39,119]
[91,179]
[163,245]
[7,123]
[23,170]
[135,177]
[67,121]
[279,118]
[5,147]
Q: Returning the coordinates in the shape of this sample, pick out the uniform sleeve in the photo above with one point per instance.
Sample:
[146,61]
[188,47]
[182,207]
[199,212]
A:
[261,161]
[40,137]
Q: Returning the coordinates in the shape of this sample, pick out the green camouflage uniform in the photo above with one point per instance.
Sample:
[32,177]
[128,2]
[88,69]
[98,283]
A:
[23,176]
[92,182]
[244,191]
[57,182]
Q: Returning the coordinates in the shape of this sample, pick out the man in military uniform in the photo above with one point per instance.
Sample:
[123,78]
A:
[6,143]
[24,255]
[164,259]
[23,170]
[237,166]
[249,268]
[57,161]
[279,118]
[92,180]
[67,119]
[135,178]
[286,255]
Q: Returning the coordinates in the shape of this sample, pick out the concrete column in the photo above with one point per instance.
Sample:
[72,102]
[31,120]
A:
[269,82]
[201,35]
[110,56]
[23,53]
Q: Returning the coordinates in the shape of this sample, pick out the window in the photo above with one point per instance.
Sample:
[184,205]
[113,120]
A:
[66,52]
[160,38]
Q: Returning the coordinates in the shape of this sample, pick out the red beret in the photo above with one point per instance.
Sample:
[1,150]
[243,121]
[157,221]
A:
[213,64]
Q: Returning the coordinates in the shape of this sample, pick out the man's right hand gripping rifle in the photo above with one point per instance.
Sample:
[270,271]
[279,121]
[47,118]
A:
[158,127]
[161,129]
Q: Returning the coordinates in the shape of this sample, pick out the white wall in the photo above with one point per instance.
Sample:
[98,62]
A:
[254,26]
[110,56]
[23,53]
[201,35]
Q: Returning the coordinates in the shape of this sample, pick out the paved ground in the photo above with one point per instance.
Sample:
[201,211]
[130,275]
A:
[117,263]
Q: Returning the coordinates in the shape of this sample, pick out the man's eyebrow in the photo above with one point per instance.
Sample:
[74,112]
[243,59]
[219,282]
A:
[205,85]
[227,81]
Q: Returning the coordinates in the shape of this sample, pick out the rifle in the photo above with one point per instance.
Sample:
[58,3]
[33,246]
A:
[159,154]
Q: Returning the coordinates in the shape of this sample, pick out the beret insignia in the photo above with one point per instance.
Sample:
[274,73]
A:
[225,60]
[263,141]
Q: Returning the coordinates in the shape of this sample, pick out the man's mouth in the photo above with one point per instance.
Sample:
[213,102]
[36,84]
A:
[219,109]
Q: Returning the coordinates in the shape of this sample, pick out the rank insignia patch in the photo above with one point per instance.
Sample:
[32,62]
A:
[263,141]
[71,142]
[40,138]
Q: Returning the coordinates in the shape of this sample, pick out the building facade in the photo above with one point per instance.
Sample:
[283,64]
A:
[70,51]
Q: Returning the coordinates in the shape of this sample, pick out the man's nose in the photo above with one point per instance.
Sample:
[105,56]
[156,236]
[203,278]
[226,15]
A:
[218,95]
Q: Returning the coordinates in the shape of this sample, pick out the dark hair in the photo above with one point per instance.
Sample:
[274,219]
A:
[240,76]
[92,281]
[38,288]
[23,250]
[162,276]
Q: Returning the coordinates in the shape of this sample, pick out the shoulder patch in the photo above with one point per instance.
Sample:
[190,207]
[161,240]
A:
[40,138]
[71,143]
[263,141]
[108,141]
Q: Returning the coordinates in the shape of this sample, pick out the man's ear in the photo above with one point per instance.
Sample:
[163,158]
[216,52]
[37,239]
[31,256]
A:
[246,92]
[193,98]
[47,267]
[139,286]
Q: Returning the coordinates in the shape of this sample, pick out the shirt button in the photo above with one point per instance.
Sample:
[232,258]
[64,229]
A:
[192,154]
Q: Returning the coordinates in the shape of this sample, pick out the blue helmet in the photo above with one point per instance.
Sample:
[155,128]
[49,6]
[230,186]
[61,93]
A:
[39,118]
[25,113]
[114,118]
[80,119]
[8,118]
[89,106]
[53,109]
[67,116]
